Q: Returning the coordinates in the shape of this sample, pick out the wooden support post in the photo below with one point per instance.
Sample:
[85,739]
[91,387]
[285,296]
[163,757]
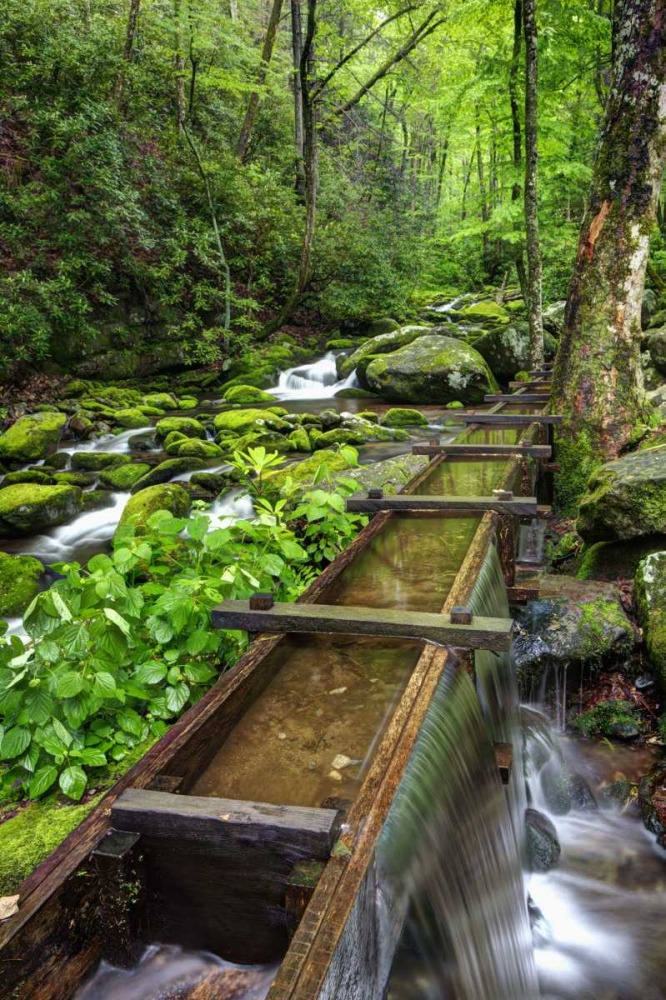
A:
[524,448]
[522,594]
[516,397]
[408,502]
[507,544]
[484,633]
[301,885]
[120,919]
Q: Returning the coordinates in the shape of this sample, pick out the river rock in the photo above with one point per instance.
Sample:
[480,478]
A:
[543,846]
[384,344]
[242,421]
[507,350]
[391,475]
[652,799]
[123,477]
[19,582]
[626,498]
[166,496]
[165,471]
[553,318]
[431,369]
[657,349]
[487,311]
[403,417]
[648,307]
[574,624]
[28,509]
[247,394]
[184,425]
[650,591]
[31,438]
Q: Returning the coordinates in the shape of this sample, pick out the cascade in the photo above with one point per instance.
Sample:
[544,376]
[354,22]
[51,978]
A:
[316,381]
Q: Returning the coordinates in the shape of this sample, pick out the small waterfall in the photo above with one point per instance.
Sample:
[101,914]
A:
[318,380]
[531,542]
[450,843]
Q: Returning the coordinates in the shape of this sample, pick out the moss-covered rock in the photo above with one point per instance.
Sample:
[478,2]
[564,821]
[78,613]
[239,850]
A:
[305,472]
[212,482]
[132,418]
[187,426]
[391,475]
[542,844]
[165,471]
[27,509]
[340,344]
[270,440]
[81,479]
[188,403]
[487,311]
[194,448]
[650,591]
[354,392]
[369,415]
[247,394]
[431,369]
[384,344]
[574,624]
[242,421]
[299,440]
[31,438]
[162,400]
[337,436]
[402,417]
[553,318]
[123,477]
[657,349]
[28,476]
[652,798]
[93,461]
[19,582]
[626,498]
[165,496]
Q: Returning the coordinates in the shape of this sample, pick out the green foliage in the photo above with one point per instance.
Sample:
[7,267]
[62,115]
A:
[119,648]
[603,719]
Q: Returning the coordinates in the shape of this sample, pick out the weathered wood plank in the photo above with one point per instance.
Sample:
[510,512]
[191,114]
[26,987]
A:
[533,450]
[504,760]
[516,397]
[507,419]
[520,506]
[483,633]
[539,383]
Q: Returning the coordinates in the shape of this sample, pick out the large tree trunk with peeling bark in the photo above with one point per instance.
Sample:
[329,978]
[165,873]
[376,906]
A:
[598,383]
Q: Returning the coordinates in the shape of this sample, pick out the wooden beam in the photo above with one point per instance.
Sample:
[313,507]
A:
[515,397]
[533,450]
[520,506]
[521,595]
[504,760]
[536,384]
[508,419]
[483,633]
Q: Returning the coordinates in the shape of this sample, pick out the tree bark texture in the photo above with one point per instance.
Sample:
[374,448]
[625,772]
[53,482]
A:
[297,51]
[253,103]
[598,384]
[534,266]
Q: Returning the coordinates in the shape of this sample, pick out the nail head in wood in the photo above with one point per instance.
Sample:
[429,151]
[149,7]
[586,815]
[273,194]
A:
[375,494]
[461,615]
[503,494]
[261,602]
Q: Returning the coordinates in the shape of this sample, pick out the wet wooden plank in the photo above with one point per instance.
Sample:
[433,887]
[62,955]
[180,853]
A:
[533,450]
[540,383]
[508,419]
[517,397]
[406,502]
[483,633]
[504,760]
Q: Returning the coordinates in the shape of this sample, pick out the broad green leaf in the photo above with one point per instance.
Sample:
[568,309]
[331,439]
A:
[42,780]
[118,620]
[70,684]
[73,782]
[104,685]
[150,673]
[196,642]
[177,697]
[14,742]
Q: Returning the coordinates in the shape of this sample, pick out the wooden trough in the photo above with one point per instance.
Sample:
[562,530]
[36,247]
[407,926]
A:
[153,862]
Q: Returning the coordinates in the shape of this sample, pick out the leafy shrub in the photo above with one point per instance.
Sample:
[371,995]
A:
[602,719]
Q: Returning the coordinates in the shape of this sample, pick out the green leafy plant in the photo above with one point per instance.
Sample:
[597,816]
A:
[603,717]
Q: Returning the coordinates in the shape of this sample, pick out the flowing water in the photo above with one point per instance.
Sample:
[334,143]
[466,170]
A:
[318,380]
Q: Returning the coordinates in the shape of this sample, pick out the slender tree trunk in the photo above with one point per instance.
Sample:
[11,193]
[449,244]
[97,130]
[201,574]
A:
[597,380]
[516,190]
[297,51]
[129,47]
[534,267]
[253,103]
[179,65]
[482,184]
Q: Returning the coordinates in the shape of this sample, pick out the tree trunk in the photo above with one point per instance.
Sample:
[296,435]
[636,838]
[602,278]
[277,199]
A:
[516,190]
[534,269]
[297,51]
[128,49]
[485,215]
[179,65]
[597,380]
[253,103]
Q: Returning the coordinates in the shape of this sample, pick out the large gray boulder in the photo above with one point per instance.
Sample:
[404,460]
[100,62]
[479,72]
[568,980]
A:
[507,350]
[626,498]
[383,344]
[553,318]
[431,369]
[543,846]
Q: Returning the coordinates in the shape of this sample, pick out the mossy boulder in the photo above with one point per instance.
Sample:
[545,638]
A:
[650,592]
[194,448]
[82,479]
[188,403]
[123,477]
[340,344]
[19,582]
[270,440]
[132,418]
[507,350]
[354,392]
[391,475]
[626,498]
[384,344]
[657,349]
[431,369]
[574,624]
[487,311]
[299,440]
[337,436]
[26,509]
[28,476]
[165,471]
[553,318]
[304,472]
[542,843]
[242,421]
[402,417]
[93,461]
[165,496]
[187,426]
[247,394]
[31,438]
[162,400]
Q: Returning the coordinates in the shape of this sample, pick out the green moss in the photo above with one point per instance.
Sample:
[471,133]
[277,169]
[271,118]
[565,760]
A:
[339,435]
[597,619]
[123,477]
[187,403]
[247,394]
[403,417]
[340,344]
[195,448]
[19,582]
[28,476]
[483,311]
[165,496]
[577,459]
[241,421]
[305,472]
[184,425]
[300,440]
[93,461]
[163,400]
[165,471]
[131,418]
[607,719]
[81,479]
[31,438]
[26,509]
[369,415]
